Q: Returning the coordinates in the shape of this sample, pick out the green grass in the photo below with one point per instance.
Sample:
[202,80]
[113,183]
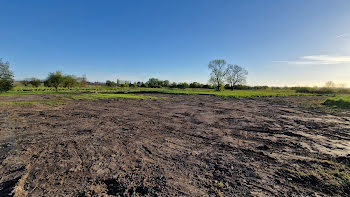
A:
[339,101]
[228,93]
[329,176]
[20,90]
[109,96]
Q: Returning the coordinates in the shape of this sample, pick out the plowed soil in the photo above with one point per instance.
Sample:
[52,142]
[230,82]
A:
[179,146]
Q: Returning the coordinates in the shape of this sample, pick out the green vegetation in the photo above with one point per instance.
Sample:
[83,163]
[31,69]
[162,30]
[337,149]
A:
[189,91]
[339,101]
[6,77]
[322,90]
[329,176]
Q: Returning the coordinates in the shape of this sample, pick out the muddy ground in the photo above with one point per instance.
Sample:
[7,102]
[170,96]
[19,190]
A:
[179,146]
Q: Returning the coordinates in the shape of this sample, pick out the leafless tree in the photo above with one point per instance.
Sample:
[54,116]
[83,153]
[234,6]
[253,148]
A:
[218,72]
[236,75]
[330,84]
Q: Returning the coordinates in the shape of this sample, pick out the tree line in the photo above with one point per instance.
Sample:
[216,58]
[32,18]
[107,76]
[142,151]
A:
[222,76]
[233,74]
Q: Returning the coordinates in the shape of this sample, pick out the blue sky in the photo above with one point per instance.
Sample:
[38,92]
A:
[279,42]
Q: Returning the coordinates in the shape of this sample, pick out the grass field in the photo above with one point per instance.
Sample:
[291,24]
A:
[341,101]
[93,89]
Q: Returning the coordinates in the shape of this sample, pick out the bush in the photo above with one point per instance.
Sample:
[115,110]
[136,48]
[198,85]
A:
[124,85]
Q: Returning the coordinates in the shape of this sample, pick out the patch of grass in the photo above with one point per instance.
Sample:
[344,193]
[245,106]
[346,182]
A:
[340,101]
[327,176]
[109,96]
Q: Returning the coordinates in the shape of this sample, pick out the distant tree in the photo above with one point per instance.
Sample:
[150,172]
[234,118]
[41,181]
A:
[144,85]
[25,82]
[166,83]
[154,82]
[186,85]
[196,85]
[110,83]
[54,80]
[82,81]
[218,72]
[69,81]
[236,75]
[173,85]
[6,77]
[330,84]
[35,82]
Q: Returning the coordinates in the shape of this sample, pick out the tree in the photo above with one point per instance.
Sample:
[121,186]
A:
[166,83]
[330,84]
[110,83]
[236,75]
[6,76]
[69,81]
[35,82]
[82,81]
[54,79]
[154,83]
[173,85]
[218,72]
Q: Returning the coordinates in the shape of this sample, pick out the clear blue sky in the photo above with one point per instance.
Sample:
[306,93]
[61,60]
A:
[279,42]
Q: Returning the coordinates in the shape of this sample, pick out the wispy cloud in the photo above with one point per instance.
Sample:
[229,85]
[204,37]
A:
[342,36]
[319,60]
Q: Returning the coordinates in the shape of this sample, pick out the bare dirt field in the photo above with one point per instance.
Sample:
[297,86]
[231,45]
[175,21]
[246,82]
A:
[179,146]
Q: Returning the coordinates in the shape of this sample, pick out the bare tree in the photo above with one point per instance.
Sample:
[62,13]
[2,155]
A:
[236,75]
[218,72]
[330,84]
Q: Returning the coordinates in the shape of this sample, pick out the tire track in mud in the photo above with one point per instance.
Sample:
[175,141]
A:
[11,168]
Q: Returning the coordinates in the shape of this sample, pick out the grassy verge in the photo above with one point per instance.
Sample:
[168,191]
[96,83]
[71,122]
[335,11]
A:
[340,101]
